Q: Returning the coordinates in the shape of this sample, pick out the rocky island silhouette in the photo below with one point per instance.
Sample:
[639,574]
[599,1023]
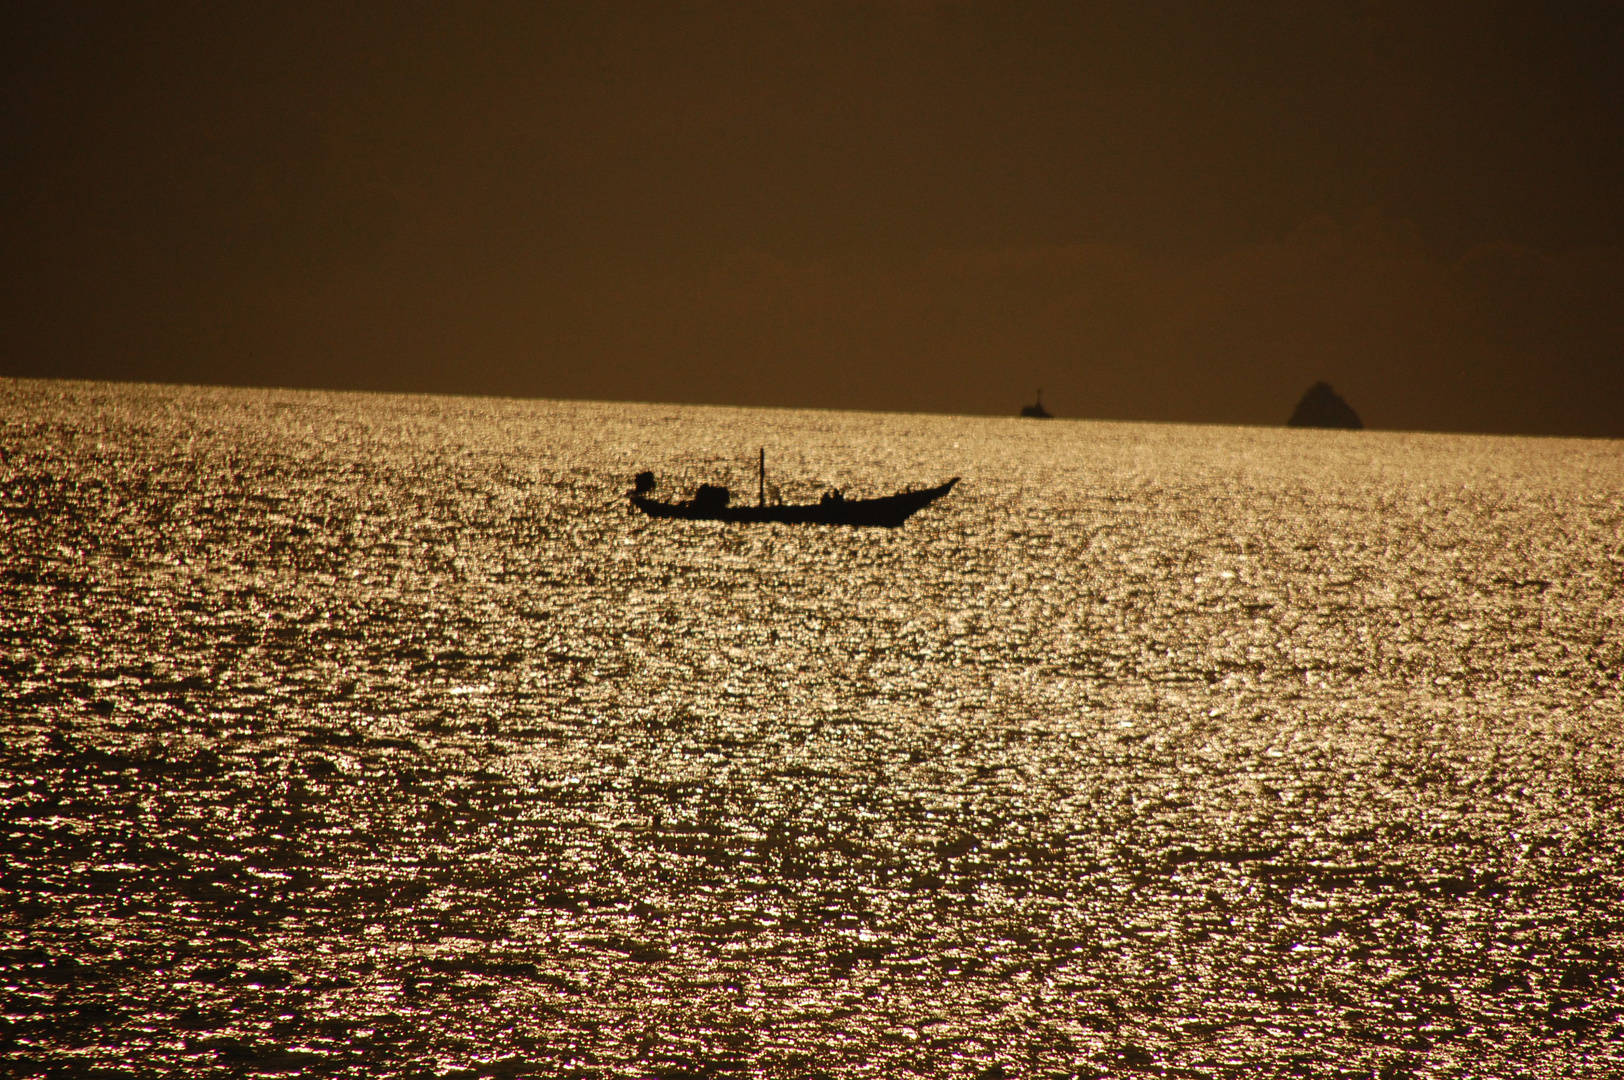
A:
[1323,407]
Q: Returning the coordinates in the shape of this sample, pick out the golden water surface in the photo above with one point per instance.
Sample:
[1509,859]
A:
[374,735]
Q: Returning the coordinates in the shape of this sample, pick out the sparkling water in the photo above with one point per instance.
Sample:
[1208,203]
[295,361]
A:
[375,735]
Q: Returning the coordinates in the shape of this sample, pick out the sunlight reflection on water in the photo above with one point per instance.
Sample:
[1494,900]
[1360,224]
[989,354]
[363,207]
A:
[374,734]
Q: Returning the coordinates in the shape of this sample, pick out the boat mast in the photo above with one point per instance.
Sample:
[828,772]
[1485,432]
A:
[761,475]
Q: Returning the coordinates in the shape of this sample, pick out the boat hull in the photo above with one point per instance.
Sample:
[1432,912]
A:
[887,513]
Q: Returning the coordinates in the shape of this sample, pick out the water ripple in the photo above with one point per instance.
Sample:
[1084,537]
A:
[369,735]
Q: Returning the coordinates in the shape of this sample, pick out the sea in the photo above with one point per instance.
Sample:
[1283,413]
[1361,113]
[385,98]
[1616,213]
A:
[360,735]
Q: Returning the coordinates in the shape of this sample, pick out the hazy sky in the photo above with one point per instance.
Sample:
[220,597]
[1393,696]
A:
[1161,211]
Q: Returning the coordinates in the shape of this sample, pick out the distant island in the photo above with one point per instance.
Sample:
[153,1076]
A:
[1322,407]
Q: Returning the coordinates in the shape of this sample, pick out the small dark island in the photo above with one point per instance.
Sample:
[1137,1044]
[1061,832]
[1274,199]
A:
[1322,407]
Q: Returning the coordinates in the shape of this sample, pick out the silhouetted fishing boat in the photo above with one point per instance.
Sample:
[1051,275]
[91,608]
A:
[711,503]
[1036,411]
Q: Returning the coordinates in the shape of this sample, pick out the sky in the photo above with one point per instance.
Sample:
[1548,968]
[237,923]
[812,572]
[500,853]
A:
[1153,211]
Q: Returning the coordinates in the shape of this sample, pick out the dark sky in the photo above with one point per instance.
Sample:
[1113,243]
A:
[1158,211]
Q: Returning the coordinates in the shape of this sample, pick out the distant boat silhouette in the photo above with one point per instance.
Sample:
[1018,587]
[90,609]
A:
[1036,411]
[1322,407]
[710,503]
